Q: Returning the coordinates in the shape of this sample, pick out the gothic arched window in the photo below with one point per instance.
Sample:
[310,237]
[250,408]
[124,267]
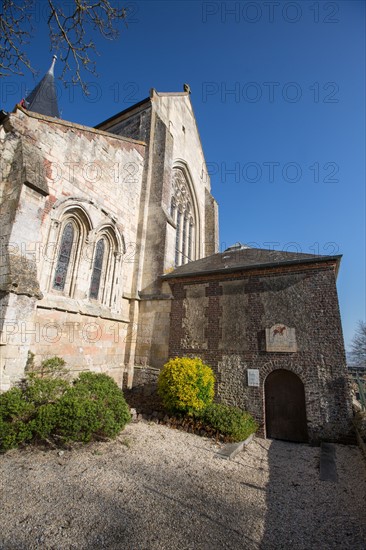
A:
[105,273]
[64,256]
[87,262]
[73,230]
[182,212]
[97,269]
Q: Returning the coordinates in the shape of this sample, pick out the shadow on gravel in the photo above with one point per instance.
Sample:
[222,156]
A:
[133,507]
[119,498]
[305,513]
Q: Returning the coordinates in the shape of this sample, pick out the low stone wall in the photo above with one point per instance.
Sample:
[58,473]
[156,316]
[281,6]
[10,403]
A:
[145,380]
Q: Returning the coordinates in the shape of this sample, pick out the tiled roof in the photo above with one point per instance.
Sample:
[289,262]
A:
[241,257]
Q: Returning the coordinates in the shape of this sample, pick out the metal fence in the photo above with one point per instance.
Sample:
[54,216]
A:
[361,391]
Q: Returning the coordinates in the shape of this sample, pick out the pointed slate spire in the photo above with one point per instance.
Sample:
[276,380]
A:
[43,99]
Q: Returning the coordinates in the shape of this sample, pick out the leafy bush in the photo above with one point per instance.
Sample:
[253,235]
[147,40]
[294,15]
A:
[45,421]
[44,394]
[15,415]
[42,391]
[229,421]
[50,408]
[186,385]
[93,407]
[53,367]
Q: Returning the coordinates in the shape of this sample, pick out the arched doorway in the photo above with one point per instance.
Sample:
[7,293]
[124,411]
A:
[285,406]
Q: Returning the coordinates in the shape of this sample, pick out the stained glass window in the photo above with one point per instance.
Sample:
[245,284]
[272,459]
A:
[64,257]
[97,269]
[177,238]
[184,237]
[190,240]
[172,208]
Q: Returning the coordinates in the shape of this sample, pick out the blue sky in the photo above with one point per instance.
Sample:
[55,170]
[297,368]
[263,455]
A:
[278,89]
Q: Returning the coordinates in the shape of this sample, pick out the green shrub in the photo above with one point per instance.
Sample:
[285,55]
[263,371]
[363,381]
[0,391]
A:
[229,421]
[50,408]
[186,385]
[42,391]
[44,394]
[45,421]
[15,415]
[93,407]
[53,367]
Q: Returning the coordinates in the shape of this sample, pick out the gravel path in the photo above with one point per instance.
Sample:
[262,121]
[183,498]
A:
[157,488]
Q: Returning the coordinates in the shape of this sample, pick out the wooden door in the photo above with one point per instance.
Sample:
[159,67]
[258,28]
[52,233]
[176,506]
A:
[285,406]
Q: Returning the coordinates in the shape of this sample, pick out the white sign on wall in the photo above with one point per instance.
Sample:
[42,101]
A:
[253,377]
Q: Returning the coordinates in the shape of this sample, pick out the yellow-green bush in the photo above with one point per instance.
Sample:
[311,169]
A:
[186,385]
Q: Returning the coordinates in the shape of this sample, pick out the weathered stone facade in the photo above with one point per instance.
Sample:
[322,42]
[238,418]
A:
[174,153]
[223,316]
[72,194]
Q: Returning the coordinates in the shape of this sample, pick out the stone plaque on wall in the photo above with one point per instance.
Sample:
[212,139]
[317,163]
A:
[281,338]
[253,377]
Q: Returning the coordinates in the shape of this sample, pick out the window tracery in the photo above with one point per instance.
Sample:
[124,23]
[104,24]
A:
[77,272]
[183,215]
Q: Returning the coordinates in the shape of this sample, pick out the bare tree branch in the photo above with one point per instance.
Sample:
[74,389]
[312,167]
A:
[69,23]
[15,32]
[358,346]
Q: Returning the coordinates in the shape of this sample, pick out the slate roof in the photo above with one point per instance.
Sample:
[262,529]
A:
[43,99]
[147,100]
[240,258]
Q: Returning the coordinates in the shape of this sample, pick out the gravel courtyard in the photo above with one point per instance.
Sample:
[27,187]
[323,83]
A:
[158,488]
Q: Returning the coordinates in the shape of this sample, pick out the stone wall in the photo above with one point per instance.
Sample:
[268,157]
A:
[115,180]
[233,311]
[167,123]
[53,169]
[84,341]
[152,331]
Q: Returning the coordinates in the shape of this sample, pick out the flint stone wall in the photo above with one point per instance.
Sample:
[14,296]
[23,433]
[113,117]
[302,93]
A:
[235,311]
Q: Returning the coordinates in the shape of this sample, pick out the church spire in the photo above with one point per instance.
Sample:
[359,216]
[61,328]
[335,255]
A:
[51,69]
[43,99]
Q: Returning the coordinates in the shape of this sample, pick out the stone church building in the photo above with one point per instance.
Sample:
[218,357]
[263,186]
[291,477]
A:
[109,259]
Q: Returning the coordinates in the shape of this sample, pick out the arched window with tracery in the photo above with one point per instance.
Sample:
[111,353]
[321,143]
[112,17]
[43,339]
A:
[182,213]
[88,261]
[73,229]
[65,253]
[104,268]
